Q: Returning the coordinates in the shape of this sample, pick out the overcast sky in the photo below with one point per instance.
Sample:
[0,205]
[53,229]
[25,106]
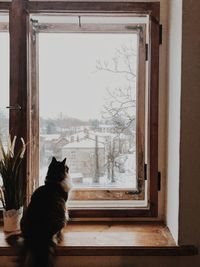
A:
[4,71]
[69,82]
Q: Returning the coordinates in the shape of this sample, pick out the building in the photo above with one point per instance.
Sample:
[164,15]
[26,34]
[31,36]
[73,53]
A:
[82,157]
[51,145]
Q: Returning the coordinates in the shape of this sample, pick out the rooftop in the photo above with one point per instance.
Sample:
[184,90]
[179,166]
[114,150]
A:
[88,143]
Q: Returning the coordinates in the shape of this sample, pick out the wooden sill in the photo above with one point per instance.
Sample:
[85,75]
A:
[114,239]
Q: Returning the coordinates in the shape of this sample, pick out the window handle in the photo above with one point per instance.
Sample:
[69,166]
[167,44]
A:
[17,107]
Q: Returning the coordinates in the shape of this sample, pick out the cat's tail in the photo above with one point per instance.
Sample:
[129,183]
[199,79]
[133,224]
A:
[41,254]
[33,254]
[17,242]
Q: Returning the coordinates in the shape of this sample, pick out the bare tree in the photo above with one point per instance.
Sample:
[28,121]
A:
[121,63]
[111,156]
[97,171]
[120,103]
[119,108]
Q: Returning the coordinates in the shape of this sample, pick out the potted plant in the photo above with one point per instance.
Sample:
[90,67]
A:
[12,191]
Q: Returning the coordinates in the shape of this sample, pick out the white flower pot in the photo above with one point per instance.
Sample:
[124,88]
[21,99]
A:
[11,219]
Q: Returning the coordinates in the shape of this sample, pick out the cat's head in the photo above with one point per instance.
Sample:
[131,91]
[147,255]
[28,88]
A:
[57,171]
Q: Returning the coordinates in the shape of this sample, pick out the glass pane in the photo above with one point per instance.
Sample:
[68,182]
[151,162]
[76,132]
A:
[4,83]
[4,89]
[87,84]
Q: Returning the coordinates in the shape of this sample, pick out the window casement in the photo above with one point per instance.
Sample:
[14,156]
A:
[4,76]
[141,20]
[4,80]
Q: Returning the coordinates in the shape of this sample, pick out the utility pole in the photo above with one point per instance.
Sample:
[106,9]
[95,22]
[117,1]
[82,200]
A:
[97,174]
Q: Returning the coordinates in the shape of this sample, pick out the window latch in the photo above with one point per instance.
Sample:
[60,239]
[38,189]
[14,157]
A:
[159,181]
[145,171]
[160,33]
[146,52]
[17,107]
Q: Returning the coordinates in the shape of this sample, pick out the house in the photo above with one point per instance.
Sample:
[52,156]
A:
[82,155]
[51,145]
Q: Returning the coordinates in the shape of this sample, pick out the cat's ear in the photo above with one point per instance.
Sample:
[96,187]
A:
[54,160]
[64,160]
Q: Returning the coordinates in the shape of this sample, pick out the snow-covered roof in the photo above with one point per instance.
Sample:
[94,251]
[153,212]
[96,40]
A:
[76,175]
[79,135]
[104,135]
[106,126]
[88,143]
[100,134]
[50,137]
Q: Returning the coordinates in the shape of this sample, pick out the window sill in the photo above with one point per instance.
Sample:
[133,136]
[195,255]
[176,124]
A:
[114,239]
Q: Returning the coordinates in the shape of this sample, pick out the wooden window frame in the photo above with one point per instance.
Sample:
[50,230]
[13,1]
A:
[92,193]
[19,14]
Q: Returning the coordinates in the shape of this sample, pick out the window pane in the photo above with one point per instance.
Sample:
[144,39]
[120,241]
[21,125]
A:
[87,84]
[4,89]
[4,83]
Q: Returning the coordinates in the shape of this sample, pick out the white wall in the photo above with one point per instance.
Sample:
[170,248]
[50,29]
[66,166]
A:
[174,96]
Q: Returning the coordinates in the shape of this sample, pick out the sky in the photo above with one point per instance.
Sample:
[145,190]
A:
[69,82]
[4,71]
[68,79]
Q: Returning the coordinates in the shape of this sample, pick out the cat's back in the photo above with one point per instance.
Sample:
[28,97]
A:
[45,212]
[46,198]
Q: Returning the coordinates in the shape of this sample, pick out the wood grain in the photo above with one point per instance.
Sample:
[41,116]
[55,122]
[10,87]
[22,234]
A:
[114,238]
[140,106]
[153,114]
[19,95]
[4,6]
[34,105]
[83,7]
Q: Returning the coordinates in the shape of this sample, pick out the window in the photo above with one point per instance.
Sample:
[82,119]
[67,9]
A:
[4,79]
[117,165]
[91,107]
[93,116]
[4,75]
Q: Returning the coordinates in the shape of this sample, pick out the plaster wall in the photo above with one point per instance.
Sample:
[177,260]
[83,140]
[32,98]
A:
[174,105]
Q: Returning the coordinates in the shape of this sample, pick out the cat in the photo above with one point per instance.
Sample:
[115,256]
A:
[45,217]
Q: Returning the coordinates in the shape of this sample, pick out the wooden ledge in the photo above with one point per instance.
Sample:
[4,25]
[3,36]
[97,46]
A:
[114,239]
[127,251]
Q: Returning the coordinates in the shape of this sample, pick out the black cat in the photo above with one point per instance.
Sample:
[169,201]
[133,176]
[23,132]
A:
[45,217]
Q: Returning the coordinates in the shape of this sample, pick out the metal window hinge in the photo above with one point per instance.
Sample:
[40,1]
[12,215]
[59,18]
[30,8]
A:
[145,171]
[139,29]
[146,51]
[134,192]
[159,181]
[160,33]
[35,27]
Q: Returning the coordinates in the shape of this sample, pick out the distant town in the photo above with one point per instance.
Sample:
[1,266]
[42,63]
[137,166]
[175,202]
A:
[97,153]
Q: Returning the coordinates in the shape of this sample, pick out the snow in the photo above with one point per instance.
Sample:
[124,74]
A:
[127,179]
[88,143]
[76,175]
[50,137]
